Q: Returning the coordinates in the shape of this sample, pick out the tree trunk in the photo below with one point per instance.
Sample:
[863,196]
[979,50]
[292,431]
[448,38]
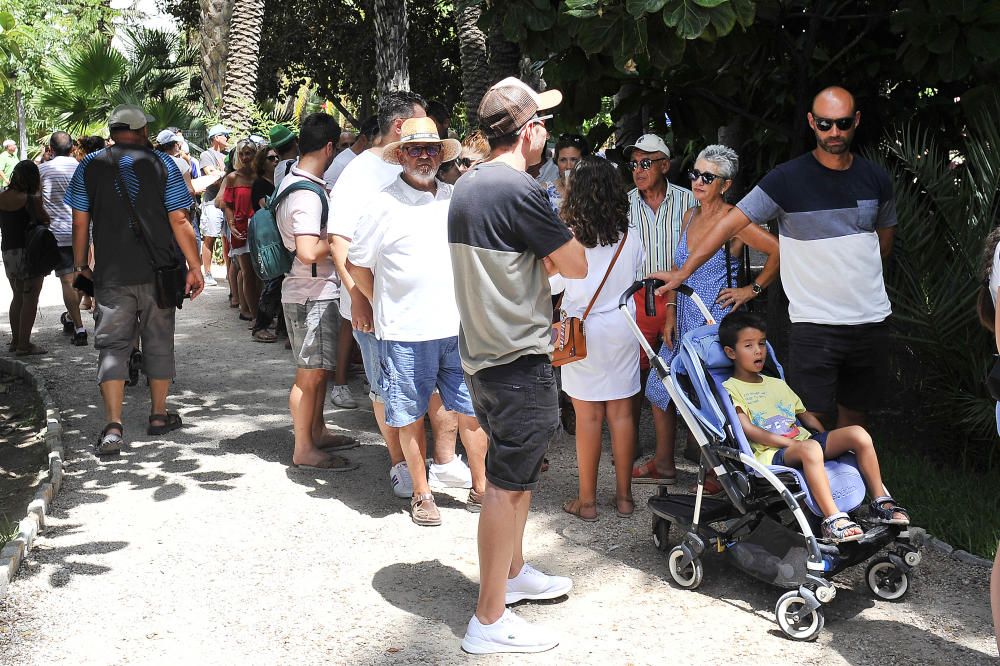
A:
[214,50]
[392,64]
[475,64]
[22,124]
[504,56]
[244,58]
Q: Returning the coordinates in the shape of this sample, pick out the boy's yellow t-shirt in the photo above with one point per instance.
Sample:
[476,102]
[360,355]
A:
[772,406]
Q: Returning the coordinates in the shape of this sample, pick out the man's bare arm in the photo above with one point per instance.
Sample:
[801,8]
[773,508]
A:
[886,236]
[570,260]
[363,278]
[730,225]
[184,235]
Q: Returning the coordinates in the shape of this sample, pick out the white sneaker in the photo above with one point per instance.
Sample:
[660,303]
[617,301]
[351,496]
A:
[399,476]
[210,280]
[508,634]
[531,583]
[454,474]
[340,396]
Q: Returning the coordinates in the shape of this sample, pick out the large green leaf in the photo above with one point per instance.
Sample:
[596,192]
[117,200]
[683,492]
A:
[599,33]
[640,8]
[710,3]
[688,19]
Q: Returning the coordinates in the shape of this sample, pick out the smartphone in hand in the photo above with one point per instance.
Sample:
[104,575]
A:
[84,284]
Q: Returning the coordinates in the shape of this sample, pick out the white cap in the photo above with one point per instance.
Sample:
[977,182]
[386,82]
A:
[9,142]
[648,143]
[166,136]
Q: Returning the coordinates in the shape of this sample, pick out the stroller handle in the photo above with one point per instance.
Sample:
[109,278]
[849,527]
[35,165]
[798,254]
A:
[651,284]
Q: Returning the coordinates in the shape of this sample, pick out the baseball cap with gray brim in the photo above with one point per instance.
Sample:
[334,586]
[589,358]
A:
[129,116]
[216,130]
[648,143]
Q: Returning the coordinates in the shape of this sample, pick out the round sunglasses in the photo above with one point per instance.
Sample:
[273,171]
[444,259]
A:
[645,163]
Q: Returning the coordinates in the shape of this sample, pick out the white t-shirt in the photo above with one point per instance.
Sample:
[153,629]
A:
[995,276]
[300,215]
[357,187]
[282,169]
[56,174]
[404,240]
[340,163]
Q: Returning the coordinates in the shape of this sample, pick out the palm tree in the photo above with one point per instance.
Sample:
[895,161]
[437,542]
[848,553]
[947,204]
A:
[244,58]
[472,49]
[83,87]
[214,50]
[392,64]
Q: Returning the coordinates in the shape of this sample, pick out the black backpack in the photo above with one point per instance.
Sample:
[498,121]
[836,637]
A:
[41,251]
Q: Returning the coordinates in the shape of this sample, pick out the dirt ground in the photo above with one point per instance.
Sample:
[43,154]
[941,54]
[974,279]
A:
[206,546]
[23,454]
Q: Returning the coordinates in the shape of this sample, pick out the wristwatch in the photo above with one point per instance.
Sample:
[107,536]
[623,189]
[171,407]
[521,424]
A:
[756,288]
[80,268]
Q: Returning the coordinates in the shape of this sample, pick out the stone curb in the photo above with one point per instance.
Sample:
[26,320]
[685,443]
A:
[920,537]
[34,520]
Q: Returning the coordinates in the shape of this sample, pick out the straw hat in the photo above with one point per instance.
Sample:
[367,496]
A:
[421,130]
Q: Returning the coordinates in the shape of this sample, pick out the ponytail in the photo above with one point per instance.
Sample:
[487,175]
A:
[984,304]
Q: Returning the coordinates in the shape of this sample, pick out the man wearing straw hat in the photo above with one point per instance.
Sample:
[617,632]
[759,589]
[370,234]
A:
[399,258]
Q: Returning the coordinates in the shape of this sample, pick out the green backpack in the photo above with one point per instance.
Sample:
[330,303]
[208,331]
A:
[270,258]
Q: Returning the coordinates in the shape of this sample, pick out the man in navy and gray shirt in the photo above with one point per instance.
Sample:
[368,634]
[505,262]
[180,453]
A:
[836,221]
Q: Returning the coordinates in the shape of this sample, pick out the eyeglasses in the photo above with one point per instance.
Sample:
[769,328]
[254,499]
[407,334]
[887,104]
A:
[645,163]
[826,124]
[417,151]
[706,177]
[272,158]
[539,120]
[465,162]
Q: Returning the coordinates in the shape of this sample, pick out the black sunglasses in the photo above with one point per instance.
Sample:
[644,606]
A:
[465,162]
[415,151]
[826,124]
[272,158]
[645,163]
[706,177]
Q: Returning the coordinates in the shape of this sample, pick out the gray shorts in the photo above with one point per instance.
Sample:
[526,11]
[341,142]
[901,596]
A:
[313,328]
[66,263]
[15,264]
[124,314]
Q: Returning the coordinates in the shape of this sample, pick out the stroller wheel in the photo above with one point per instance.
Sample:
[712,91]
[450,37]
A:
[795,621]
[661,533]
[886,580]
[688,577]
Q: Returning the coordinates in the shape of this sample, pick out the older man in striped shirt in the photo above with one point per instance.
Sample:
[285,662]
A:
[656,209]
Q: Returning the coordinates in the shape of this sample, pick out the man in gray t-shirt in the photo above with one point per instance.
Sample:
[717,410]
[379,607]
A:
[212,161]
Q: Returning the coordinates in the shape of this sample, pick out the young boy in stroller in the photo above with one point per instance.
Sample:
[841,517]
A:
[781,432]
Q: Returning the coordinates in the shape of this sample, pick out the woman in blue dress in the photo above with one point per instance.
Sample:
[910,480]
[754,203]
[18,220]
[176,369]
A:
[714,282]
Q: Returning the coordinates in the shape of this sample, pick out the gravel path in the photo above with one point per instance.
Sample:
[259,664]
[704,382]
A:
[205,546]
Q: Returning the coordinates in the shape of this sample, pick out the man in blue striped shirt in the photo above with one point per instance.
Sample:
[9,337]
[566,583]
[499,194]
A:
[131,238]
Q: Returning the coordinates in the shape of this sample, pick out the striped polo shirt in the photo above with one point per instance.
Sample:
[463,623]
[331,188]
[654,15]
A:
[660,230]
[831,266]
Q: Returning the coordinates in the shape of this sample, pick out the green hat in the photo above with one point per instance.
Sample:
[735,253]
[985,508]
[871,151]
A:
[279,136]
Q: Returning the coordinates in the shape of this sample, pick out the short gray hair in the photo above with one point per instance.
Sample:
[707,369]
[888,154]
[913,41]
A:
[723,157]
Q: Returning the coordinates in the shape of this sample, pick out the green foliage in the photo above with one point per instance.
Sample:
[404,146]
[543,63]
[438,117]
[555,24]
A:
[83,87]
[946,207]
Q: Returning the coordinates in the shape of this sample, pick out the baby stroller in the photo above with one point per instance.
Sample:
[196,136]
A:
[766,519]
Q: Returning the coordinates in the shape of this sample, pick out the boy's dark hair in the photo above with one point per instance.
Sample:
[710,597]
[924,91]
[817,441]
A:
[438,111]
[505,141]
[370,127]
[734,322]
[397,104]
[317,130]
[92,143]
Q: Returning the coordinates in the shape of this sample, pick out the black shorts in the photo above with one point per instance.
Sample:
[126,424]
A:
[517,404]
[839,365]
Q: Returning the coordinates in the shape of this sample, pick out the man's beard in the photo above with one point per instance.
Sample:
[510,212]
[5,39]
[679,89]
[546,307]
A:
[834,149]
[418,176]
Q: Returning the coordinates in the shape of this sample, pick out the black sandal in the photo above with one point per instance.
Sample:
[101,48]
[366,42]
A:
[171,421]
[882,509]
[110,443]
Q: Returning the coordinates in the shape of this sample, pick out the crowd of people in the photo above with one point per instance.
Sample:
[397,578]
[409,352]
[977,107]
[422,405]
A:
[445,264]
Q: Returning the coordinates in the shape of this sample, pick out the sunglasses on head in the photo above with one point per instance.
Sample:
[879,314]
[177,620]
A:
[645,163]
[826,124]
[417,151]
[706,177]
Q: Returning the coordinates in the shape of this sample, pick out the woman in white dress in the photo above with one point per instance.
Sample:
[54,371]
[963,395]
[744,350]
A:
[602,384]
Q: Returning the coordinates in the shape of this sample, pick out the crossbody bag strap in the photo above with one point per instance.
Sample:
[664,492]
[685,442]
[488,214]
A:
[133,220]
[607,273]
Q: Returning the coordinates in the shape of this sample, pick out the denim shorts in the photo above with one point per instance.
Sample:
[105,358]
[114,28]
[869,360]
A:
[312,329]
[517,404]
[410,373]
[779,455]
[368,344]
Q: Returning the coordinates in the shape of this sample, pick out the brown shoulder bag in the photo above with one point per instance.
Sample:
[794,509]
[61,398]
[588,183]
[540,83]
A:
[568,338]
